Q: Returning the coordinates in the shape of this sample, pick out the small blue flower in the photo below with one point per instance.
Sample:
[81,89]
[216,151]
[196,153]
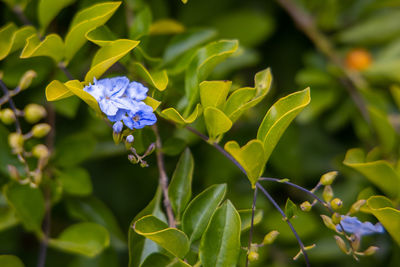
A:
[139,118]
[117,127]
[129,138]
[352,225]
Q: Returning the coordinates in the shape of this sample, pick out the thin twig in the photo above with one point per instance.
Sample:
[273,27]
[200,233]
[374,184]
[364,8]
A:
[163,178]
[287,221]
[12,105]
[253,209]
[64,69]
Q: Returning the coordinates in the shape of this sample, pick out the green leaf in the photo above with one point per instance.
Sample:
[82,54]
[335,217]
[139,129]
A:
[382,208]
[171,239]
[384,129]
[28,204]
[10,261]
[157,79]
[379,172]
[245,98]
[278,118]
[8,217]
[94,210]
[75,181]
[12,38]
[107,55]
[251,157]
[214,93]
[395,90]
[180,188]
[52,46]
[88,239]
[245,218]
[166,26]
[173,115]
[101,36]
[161,260]
[141,23]
[202,64]
[74,149]
[199,211]
[48,10]
[153,103]
[220,244]
[290,209]
[217,122]
[85,21]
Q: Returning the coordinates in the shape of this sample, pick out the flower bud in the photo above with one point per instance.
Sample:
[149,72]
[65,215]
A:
[328,178]
[40,151]
[253,256]
[13,172]
[270,237]
[34,113]
[305,206]
[370,251]
[143,164]
[16,140]
[26,79]
[336,218]
[357,206]
[341,244]
[41,130]
[328,193]
[130,138]
[7,116]
[132,159]
[336,203]
[328,222]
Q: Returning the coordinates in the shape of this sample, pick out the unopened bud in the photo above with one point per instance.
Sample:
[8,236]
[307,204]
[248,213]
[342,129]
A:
[336,218]
[336,203]
[41,130]
[143,164]
[13,172]
[253,256]
[150,149]
[357,206]
[26,79]
[370,251]
[328,222]
[40,151]
[328,193]
[341,244]
[16,140]
[34,113]
[328,178]
[305,206]
[132,159]
[7,116]
[270,237]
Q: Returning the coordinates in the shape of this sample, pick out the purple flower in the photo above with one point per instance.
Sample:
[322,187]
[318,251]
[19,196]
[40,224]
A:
[352,225]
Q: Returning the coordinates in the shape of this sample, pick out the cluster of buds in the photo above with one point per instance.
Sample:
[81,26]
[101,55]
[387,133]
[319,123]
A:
[252,253]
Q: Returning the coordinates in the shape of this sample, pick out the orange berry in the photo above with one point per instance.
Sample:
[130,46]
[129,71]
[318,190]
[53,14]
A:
[358,59]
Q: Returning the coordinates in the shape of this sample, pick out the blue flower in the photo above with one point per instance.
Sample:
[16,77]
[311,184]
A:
[117,127]
[352,225]
[130,138]
[121,100]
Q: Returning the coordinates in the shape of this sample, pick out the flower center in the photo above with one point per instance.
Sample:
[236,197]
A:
[136,118]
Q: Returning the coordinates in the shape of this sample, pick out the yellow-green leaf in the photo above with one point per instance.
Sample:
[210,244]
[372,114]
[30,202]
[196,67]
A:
[85,21]
[10,261]
[217,122]
[12,38]
[251,157]
[107,55]
[166,26]
[52,46]
[101,36]
[173,115]
[214,93]
[379,172]
[48,10]
[278,118]
[152,102]
[382,208]
[157,79]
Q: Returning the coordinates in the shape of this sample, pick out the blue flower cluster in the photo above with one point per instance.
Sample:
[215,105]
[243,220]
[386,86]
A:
[352,225]
[122,101]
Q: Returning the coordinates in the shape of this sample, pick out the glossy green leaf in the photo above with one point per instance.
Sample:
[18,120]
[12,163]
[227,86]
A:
[85,21]
[70,151]
[379,172]
[290,209]
[180,188]
[279,117]
[220,244]
[8,217]
[152,102]
[101,36]
[247,97]
[171,239]
[214,93]
[161,260]
[28,204]
[75,181]
[166,26]
[202,64]
[52,46]
[107,55]
[10,261]
[382,208]
[217,122]
[199,211]
[12,38]
[93,210]
[251,157]
[157,79]
[141,23]
[48,10]
[173,115]
[384,129]
[245,218]
[88,239]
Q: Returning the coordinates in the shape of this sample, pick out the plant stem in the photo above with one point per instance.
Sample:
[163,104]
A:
[253,209]
[163,178]
[12,105]
[287,221]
